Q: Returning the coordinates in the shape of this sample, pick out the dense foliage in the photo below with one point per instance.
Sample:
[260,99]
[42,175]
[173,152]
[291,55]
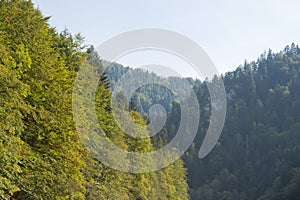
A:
[41,155]
[257,156]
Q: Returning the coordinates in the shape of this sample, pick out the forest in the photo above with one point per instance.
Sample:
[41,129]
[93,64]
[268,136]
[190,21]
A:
[42,155]
[257,156]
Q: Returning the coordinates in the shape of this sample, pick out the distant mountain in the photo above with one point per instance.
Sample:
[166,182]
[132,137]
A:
[148,94]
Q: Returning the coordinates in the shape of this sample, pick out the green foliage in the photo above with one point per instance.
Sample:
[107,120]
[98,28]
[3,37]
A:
[168,183]
[257,156]
[41,155]
[40,150]
[260,141]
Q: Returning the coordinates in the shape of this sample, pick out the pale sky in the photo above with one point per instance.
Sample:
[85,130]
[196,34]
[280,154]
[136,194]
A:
[229,31]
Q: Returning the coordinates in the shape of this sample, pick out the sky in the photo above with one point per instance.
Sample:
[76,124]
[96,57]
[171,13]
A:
[230,31]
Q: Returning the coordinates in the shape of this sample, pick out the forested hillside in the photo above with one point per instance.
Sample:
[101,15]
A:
[41,155]
[257,156]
